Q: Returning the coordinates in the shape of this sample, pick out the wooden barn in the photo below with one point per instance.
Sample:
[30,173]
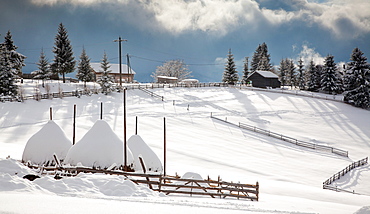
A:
[264,79]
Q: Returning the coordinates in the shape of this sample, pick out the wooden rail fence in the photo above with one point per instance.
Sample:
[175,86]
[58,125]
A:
[166,184]
[152,94]
[287,139]
[338,175]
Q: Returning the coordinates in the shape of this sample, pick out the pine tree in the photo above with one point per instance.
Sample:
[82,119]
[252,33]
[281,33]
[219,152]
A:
[356,80]
[261,59]
[16,59]
[301,75]
[64,62]
[85,72]
[291,75]
[43,71]
[329,76]
[230,74]
[283,69]
[245,71]
[11,63]
[312,77]
[106,81]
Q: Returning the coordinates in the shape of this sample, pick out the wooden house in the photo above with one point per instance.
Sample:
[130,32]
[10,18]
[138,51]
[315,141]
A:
[127,72]
[264,79]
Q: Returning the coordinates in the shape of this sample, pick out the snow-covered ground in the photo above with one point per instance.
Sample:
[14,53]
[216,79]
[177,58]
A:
[290,177]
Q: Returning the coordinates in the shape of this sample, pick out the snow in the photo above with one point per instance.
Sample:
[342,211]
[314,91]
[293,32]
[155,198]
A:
[99,147]
[290,177]
[267,74]
[41,147]
[140,149]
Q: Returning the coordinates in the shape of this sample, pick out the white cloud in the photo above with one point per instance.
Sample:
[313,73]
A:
[344,18]
[307,54]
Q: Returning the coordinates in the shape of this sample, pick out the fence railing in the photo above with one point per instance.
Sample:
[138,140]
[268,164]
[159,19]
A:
[152,94]
[287,139]
[167,184]
[338,175]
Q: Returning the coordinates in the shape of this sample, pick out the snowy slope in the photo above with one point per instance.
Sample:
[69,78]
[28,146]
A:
[290,177]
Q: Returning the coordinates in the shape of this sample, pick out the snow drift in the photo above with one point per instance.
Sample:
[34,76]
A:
[42,145]
[99,147]
[140,149]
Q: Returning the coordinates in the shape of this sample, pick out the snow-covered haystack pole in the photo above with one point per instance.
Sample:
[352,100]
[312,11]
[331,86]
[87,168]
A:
[140,149]
[41,147]
[100,148]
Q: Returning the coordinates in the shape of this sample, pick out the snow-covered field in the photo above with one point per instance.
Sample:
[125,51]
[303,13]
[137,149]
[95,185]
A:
[290,177]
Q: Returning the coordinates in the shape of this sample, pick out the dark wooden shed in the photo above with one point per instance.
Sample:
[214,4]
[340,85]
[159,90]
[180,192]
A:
[264,79]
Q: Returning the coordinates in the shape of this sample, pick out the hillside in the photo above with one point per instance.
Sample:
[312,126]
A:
[290,177]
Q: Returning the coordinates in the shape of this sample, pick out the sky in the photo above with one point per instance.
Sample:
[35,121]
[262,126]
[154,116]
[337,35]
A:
[200,32]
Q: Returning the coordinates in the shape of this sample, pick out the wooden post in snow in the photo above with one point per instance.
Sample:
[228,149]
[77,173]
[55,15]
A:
[101,110]
[74,125]
[51,113]
[164,156]
[136,127]
[124,132]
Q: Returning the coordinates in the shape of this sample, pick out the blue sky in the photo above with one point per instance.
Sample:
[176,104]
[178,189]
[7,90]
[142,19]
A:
[200,32]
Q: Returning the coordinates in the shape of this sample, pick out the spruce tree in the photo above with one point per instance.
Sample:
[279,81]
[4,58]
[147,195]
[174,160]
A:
[329,76]
[356,80]
[85,72]
[64,62]
[291,75]
[43,71]
[106,81]
[230,74]
[245,71]
[261,59]
[16,59]
[312,77]
[301,75]
[283,69]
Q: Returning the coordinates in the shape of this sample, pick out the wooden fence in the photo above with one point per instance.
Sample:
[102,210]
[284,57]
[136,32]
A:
[338,175]
[166,184]
[152,94]
[287,139]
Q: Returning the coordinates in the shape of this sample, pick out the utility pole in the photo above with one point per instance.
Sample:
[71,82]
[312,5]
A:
[119,40]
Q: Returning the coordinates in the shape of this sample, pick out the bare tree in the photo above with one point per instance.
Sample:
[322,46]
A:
[173,68]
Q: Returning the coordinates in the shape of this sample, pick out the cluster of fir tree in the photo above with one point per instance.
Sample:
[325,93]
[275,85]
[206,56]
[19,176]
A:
[260,61]
[11,63]
[65,63]
[352,81]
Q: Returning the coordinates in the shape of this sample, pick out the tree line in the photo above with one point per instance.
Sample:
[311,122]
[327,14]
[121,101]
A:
[11,63]
[353,80]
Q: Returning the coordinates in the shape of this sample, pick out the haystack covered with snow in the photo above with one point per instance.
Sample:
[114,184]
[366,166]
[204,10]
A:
[42,145]
[140,149]
[99,147]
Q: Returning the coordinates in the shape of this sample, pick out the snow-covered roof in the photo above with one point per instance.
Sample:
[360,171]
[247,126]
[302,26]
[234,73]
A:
[267,74]
[166,77]
[113,67]
[43,144]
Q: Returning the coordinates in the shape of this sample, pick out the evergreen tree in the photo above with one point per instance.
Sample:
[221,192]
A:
[106,81]
[356,80]
[43,71]
[64,62]
[16,59]
[291,75]
[283,69]
[230,74]
[301,75]
[245,71]
[329,76]
[261,59]
[85,72]
[313,77]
